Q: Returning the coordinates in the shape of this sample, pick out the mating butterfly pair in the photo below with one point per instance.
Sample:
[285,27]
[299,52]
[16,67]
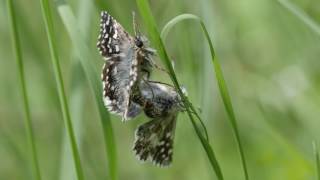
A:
[127,90]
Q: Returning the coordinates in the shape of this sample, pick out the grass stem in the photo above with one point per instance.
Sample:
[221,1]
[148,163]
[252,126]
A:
[47,17]
[86,59]
[22,82]
[220,80]
[146,14]
[317,159]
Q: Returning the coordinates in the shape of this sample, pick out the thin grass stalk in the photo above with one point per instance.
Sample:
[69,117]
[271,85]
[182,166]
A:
[86,59]
[22,82]
[77,106]
[146,14]
[305,18]
[279,138]
[46,13]
[78,94]
[220,80]
[317,159]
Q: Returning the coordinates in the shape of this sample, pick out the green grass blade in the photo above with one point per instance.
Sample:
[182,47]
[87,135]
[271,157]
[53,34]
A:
[86,60]
[166,29]
[77,95]
[22,82]
[60,85]
[163,36]
[77,107]
[301,15]
[219,76]
[207,147]
[317,158]
[146,14]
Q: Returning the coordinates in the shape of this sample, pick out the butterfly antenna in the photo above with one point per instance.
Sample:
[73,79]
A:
[135,25]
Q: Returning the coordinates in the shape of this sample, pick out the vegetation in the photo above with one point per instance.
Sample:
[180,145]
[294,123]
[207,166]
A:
[53,124]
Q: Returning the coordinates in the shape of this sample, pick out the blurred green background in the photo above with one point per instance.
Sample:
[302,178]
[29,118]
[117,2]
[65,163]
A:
[270,59]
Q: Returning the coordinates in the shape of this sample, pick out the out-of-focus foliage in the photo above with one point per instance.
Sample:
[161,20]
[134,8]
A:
[270,60]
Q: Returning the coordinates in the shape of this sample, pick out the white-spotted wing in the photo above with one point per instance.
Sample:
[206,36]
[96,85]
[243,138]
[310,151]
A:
[121,70]
[154,139]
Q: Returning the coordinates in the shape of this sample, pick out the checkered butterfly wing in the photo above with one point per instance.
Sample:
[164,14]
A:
[120,70]
[154,139]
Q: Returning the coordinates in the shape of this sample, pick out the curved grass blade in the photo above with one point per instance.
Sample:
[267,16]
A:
[22,82]
[317,158]
[148,19]
[86,57]
[219,76]
[301,15]
[60,85]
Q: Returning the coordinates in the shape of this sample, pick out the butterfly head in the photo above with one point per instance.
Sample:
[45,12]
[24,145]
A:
[138,42]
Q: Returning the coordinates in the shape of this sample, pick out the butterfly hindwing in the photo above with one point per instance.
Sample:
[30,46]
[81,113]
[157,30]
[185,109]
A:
[162,154]
[154,140]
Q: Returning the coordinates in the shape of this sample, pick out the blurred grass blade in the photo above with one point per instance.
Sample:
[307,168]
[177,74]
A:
[22,82]
[166,29]
[146,14]
[60,85]
[77,95]
[86,59]
[221,82]
[317,157]
[301,15]
[77,107]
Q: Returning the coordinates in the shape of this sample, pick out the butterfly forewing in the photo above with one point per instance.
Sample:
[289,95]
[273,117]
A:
[120,71]
[113,39]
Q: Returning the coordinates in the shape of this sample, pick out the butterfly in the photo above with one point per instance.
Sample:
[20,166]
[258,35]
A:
[127,90]
[154,139]
[128,60]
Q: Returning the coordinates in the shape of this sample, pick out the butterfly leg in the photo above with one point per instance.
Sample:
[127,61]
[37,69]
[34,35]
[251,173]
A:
[149,86]
[154,64]
[147,72]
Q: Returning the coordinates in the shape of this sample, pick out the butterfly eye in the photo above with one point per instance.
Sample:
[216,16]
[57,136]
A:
[139,43]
